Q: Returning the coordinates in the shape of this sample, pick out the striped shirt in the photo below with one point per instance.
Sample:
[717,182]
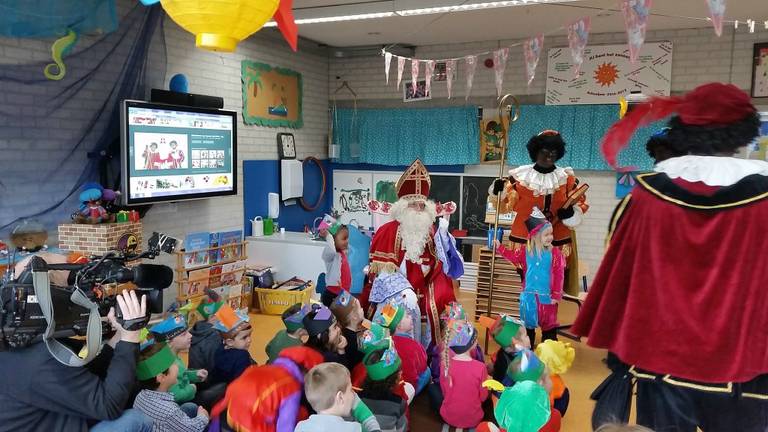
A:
[166,415]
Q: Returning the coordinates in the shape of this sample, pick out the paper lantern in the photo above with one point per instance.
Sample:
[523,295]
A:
[218,25]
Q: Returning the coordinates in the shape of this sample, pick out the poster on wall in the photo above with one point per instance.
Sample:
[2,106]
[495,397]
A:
[272,96]
[490,140]
[760,71]
[351,192]
[607,74]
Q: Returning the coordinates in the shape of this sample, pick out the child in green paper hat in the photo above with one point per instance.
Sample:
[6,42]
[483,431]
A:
[338,276]
[384,370]
[291,335]
[173,331]
[157,371]
[205,339]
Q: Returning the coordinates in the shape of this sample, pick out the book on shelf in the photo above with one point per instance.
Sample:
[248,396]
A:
[229,245]
[195,245]
[215,276]
[232,272]
[197,282]
[213,243]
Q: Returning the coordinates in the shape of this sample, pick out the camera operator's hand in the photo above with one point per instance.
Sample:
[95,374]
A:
[202,374]
[132,309]
[202,412]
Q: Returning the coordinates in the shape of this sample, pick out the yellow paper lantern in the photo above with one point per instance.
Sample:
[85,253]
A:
[218,25]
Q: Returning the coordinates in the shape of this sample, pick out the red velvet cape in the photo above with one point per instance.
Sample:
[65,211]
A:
[682,289]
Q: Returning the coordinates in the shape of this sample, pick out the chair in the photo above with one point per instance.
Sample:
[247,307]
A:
[564,330]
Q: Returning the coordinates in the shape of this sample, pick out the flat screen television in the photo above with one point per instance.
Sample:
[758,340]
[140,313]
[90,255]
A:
[174,153]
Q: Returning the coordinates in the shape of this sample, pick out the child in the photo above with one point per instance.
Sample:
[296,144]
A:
[233,357]
[349,315]
[338,276]
[267,398]
[511,336]
[293,333]
[461,377]
[544,268]
[415,370]
[522,408]
[157,372]
[173,331]
[369,340]
[325,334]
[206,340]
[527,367]
[329,391]
[558,357]
[383,368]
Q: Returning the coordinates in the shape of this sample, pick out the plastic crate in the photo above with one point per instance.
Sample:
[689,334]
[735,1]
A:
[275,302]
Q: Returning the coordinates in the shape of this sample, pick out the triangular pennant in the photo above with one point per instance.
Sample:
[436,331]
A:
[532,50]
[428,72]
[471,65]
[387,61]
[286,23]
[499,65]
[716,13]
[400,67]
[636,14]
[450,66]
[578,33]
[415,75]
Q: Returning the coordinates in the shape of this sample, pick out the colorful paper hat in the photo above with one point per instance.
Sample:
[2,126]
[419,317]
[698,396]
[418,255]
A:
[295,321]
[536,222]
[155,365]
[373,338]
[208,307]
[388,364]
[389,316]
[453,311]
[525,367]
[229,320]
[145,339]
[556,355]
[343,299]
[414,183]
[169,328]
[523,408]
[387,285]
[322,320]
[461,335]
[505,329]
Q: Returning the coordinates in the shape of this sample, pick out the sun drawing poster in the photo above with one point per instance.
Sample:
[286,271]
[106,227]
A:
[607,74]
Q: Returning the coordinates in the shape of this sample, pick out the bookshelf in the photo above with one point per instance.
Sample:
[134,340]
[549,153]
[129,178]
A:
[221,268]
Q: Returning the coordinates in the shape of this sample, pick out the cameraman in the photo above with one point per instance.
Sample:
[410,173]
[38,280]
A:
[39,393]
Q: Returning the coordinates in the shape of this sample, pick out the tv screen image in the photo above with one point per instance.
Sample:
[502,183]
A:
[173,153]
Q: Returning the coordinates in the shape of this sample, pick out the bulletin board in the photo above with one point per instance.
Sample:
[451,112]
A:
[272,96]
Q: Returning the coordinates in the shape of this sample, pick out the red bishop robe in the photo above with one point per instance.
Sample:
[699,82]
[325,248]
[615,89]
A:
[682,287]
[434,289]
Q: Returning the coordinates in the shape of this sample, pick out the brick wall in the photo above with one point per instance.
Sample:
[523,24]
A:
[699,57]
[97,239]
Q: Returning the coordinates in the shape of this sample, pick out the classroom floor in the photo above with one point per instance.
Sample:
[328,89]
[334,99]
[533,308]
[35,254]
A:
[587,372]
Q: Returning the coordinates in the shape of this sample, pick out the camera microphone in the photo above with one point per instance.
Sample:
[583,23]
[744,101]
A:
[146,276]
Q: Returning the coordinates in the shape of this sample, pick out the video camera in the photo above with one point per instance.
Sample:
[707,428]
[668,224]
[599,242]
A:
[27,299]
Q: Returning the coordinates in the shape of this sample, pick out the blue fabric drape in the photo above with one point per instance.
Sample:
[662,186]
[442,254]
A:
[52,132]
[439,136]
[582,128]
[47,18]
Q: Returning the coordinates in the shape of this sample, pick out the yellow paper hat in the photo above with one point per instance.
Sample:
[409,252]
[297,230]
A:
[557,355]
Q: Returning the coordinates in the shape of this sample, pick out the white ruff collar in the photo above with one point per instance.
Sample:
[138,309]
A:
[711,170]
[540,183]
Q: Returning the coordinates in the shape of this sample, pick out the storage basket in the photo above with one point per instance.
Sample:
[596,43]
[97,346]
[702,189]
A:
[275,302]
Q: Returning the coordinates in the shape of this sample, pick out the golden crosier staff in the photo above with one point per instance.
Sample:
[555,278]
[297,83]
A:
[505,112]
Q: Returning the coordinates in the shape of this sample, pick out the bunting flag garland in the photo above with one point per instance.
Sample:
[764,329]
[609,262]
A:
[636,20]
[471,66]
[387,61]
[716,13]
[532,50]
[499,65]
[428,72]
[400,67]
[415,75]
[578,33]
[450,66]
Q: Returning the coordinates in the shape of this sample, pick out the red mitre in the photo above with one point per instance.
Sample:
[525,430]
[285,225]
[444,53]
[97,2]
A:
[414,183]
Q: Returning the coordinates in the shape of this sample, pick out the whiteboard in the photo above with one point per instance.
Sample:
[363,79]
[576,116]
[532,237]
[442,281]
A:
[351,192]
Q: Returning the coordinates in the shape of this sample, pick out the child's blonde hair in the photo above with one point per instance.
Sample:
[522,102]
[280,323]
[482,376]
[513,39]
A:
[536,243]
[617,427]
[323,382]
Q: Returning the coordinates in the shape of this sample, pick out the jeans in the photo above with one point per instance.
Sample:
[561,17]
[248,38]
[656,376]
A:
[132,420]
[190,409]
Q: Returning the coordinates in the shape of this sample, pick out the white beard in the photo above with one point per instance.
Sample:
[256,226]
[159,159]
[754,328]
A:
[415,227]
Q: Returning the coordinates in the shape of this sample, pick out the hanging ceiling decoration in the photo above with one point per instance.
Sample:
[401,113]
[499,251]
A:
[219,25]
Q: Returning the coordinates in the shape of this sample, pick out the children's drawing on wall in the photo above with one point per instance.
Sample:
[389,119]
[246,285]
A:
[490,140]
[354,200]
[385,191]
[272,96]
[471,199]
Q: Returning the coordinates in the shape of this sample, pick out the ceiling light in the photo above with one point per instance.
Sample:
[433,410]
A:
[423,11]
